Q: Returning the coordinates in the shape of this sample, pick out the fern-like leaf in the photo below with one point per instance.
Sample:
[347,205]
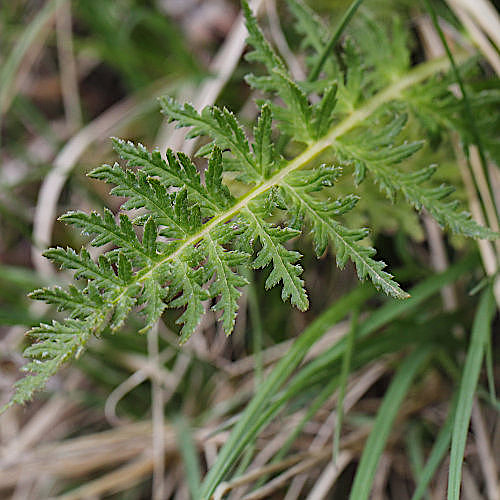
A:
[101,273]
[320,216]
[310,26]
[186,286]
[56,343]
[107,230]
[185,246]
[219,124]
[176,172]
[285,268]
[79,303]
[263,148]
[377,153]
[220,265]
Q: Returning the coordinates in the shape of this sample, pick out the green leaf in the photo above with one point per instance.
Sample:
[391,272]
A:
[107,231]
[384,420]
[101,273]
[54,344]
[297,118]
[285,268]
[226,281]
[143,191]
[374,150]
[152,295]
[386,52]
[149,238]
[481,331]
[320,217]
[124,268]
[263,147]
[219,124]
[186,287]
[80,303]
[323,115]
[194,228]
[213,180]
[310,26]
[188,215]
[122,309]
[175,172]
[262,52]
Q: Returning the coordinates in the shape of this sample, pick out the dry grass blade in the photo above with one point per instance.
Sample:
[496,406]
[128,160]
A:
[480,39]
[329,476]
[119,480]
[77,457]
[27,49]
[69,78]
[486,16]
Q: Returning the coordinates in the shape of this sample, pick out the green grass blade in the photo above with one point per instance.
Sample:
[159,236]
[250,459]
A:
[344,375]
[330,362]
[311,412]
[334,39]
[436,456]
[388,312]
[490,372]
[258,411]
[14,59]
[189,455]
[245,428]
[386,415]
[257,328]
[481,330]
[328,375]
[416,453]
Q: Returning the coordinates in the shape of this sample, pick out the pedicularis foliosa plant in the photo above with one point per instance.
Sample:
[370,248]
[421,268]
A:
[196,234]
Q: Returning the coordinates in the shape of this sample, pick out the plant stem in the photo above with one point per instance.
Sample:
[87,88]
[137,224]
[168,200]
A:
[313,75]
